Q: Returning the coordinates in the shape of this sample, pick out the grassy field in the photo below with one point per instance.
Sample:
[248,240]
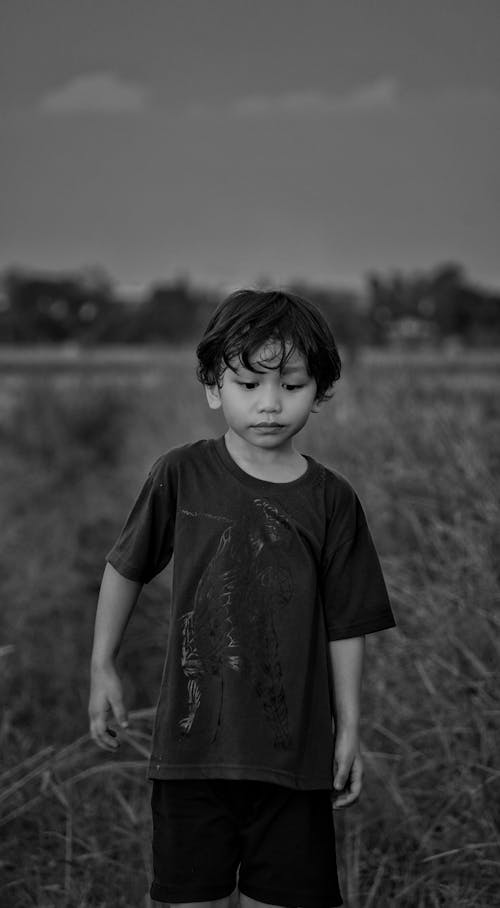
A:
[418,436]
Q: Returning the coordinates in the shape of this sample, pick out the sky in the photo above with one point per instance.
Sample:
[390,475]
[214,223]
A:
[238,141]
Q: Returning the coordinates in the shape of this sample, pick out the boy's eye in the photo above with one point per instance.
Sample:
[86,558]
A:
[250,385]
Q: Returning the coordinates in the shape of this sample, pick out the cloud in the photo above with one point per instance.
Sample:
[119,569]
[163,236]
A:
[100,92]
[382,94]
[379,95]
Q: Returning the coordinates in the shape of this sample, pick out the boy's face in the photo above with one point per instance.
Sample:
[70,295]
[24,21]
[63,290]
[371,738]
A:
[266,407]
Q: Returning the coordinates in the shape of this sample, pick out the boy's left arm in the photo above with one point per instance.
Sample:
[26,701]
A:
[346,657]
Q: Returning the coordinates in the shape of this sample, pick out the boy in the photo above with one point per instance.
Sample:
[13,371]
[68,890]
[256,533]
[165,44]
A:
[276,582]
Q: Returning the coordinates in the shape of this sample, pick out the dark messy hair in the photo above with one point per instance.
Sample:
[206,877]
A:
[247,319]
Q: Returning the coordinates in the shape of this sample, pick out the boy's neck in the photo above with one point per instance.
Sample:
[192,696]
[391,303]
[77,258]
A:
[282,464]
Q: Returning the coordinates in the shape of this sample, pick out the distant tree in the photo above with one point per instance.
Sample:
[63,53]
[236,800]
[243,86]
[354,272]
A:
[342,309]
[171,312]
[396,299]
[432,305]
[415,308]
[101,314]
[42,309]
[445,286]
[380,309]
[45,308]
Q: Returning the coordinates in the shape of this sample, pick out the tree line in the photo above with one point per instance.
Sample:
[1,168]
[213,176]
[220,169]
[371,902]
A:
[84,308]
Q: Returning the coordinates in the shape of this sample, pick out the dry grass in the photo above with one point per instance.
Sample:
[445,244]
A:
[420,443]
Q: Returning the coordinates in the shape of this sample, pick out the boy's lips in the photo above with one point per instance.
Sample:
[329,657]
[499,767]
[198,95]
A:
[268,426]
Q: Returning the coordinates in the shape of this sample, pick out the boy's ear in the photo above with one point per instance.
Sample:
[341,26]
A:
[213,396]
[316,406]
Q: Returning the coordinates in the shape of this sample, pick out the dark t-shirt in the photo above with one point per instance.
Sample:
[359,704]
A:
[265,574]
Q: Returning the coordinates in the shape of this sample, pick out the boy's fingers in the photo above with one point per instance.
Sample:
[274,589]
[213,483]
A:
[120,713]
[341,776]
[344,800]
[107,740]
[352,776]
[103,735]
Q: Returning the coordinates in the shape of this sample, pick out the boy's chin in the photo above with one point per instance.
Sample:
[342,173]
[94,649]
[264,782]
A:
[275,438]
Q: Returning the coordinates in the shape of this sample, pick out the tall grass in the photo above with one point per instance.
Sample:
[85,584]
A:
[421,448]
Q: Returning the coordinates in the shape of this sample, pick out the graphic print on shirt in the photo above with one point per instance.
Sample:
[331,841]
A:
[208,630]
[232,625]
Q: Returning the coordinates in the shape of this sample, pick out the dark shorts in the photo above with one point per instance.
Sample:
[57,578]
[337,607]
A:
[277,844]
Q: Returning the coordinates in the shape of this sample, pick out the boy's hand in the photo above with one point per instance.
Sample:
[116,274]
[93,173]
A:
[348,768]
[106,696]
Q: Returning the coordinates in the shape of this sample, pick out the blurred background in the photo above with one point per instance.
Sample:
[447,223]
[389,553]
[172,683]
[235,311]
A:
[154,157]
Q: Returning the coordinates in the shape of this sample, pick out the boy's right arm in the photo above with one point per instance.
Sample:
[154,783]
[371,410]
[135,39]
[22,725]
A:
[117,599]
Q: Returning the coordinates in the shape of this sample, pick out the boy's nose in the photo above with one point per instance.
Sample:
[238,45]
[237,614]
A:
[269,402]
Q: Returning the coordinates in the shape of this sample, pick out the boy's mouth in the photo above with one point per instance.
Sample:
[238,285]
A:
[267,425]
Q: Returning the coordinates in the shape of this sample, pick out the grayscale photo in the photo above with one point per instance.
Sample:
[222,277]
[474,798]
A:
[250,454]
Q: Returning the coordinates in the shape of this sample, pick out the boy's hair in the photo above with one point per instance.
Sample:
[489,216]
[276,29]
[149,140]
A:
[247,319]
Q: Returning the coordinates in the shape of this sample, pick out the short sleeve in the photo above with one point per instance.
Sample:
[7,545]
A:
[145,544]
[354,593]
